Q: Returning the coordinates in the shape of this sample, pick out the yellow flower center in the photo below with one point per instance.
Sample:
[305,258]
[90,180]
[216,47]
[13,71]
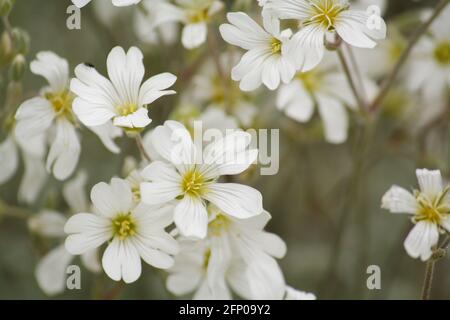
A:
[276,46]
[193,183]
[124,226]
[62,103]
[218,225]
[442,53]
[325,12]
[127,109]
[197,16]
[432,210]
[311,80]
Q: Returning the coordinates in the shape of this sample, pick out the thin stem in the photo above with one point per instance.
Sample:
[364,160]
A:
[429,269]
[7,26]
[404,57]
[428,281]
[359,77]
[141,148]
[351,82]
[115,292]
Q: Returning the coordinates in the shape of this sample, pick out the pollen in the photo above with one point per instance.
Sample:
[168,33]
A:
[325,12]
[197,16]
[61,102]
[193,183]
[432,210]
[124,226]
[127,109]
[442,53]
[276,46]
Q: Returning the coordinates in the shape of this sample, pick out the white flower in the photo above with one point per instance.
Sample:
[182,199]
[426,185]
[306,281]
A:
[267,59]
[194,14]
[191,176]
[118,3]
[123,98]
[208,88]
[327,88]
[51,116]
[294,294]
[429,70]
[35,174]
[151,28]
[430,207]
[237,254]
[51,270]
[132,232]
[320,18]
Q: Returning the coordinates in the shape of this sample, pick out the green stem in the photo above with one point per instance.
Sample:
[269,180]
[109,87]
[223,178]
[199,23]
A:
[405,55]
[350,79]
[141,148]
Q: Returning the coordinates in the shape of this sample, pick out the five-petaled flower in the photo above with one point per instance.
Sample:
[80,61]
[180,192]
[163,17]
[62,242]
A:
[430,207]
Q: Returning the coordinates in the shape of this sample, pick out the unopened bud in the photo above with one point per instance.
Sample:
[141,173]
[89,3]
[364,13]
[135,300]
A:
[6,7]
[21,40]
[5,48]
[18,67]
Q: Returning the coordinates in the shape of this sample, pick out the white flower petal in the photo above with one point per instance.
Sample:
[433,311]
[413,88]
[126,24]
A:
[421,239]
[335,119]
[91,261]
[107,133]
[74,193]
[150,255]
[33,117]
[155,87]
[194,35]
[236,200]
[112,199]
[399,200]
[191,217]
[126,71]
[48,223]
[33,179]
[65,150]
[121,261]
[53,68]
[430,182]
[9,159]
[51,270]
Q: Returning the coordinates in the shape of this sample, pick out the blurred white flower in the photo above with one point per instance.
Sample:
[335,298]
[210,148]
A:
[208,87]
[267,60]
[237,254]
[368,5]
[294,294]
[193,14]
[327,88]
[51,116]
[123,98]
[118,3]
[132,232]
[191,176]
[429,70]
[35,174]
[430,207]
[149,24]
[51,270]
[321,18]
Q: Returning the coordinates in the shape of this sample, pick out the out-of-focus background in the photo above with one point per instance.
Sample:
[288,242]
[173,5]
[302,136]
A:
[325,200]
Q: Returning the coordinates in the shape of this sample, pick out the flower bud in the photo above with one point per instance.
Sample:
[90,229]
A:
[5,48]
[6,7]
[17,68]
[21,40]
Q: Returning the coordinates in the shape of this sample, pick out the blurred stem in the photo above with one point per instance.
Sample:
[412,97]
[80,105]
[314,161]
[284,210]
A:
[141,147]
[7,25]
[14,212]
[115,292]
[214,50]
[405,55]
[359,77]
[350,79]
[429,269]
